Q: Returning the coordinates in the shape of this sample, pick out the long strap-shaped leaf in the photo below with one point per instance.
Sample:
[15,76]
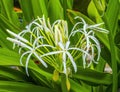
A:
[12,74]
[8,58]
[93,76]
[9,86]
[8,11]
[110,18]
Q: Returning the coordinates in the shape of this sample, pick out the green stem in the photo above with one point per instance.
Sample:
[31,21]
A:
[63,83]
[113,55]
[112,49]
[65,9]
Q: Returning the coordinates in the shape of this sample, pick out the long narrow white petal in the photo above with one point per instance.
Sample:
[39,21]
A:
[64,63]
[81,19]
[84,60]
[17,36]
[61,45]
[74,28]
[56,22]
[67,44]
[76,31]
[20,49]
[38,25]
[40,59]
[83,51]
[26,65]
[94,26]
[23,56]
[51,53]
[97,43]
[99,51]
[66,29]
[102,30]
[59,34]
[19,43]
[72,61]
[44,45]
[36,40]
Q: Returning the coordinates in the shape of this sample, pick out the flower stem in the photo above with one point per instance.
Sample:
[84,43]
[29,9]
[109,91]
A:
[113,55]
[65,9]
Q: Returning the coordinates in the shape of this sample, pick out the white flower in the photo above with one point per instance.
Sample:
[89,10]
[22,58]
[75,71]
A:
[51,44]
[65,53]
[31,50]
[89,42]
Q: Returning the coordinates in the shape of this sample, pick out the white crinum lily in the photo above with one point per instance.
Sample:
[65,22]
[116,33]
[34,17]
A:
[64,49]
[31,50]
[55,39]
[89,42]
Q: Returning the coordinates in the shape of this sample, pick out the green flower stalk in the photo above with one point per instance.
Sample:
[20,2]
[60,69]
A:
[51,44]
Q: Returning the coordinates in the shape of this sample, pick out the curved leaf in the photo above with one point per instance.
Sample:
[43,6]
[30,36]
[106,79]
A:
[55,10]
[11,58]
[12,74]
[22,87]
[93,76]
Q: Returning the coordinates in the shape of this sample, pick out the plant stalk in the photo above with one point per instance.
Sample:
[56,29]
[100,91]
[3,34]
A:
[113,55]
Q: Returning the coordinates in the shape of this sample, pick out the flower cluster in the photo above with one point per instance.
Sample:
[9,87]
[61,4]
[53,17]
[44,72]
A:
[51,44]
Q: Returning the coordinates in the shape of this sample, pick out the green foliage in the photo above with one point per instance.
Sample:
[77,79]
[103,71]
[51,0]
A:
[12,74]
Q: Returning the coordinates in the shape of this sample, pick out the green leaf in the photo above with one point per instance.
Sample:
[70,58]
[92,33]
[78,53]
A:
[3,41]
[35,5]
[12,74]
[63,83]
[43,5]
[81,5]
[93,76]
[6,24]
[10,58]
[76,87]
[112,14]
[8,12]
[33,8]
[55,12]
[22,87]
[27,9]
[93,13]
[40,79]
[111,20]
[70,4]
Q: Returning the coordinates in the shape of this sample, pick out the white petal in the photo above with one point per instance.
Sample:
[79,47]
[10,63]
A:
[59,34]
[38,25]
[44,45]
[79,50]
[72,61]
[40,59]
[97,43]
[64,63]
[36,40]
[19,43]
[23,56]
[67,44]
[61,45]
[84,60]
[96,25]
[74,27]
[20,50]
[101,30]
[51,53]
[56,22]
[26,65]
[66,29]
[17,36]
